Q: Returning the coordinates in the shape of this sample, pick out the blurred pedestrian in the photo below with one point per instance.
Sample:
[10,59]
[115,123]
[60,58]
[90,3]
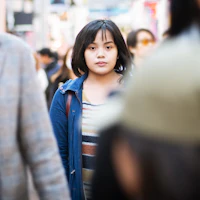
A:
[26,136]
[100,58]
[42,77]
[140,43]
[64,73]
[49,61]
[152,150]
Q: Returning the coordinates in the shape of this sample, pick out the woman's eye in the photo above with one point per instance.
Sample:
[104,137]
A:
[92,48]
[108,47]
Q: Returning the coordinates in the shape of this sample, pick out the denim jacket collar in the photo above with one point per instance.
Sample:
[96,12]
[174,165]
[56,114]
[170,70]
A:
[73,85]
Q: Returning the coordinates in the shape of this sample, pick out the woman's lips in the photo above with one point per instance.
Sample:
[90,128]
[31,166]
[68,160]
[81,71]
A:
[101,64]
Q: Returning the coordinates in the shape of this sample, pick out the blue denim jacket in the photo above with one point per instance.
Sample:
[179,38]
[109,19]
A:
[68,132]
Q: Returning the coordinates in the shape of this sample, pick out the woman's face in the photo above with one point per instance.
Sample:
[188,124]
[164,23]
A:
[102,54]
[145,43]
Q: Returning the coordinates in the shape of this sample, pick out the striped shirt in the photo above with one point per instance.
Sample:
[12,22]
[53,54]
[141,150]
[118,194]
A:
[89,143]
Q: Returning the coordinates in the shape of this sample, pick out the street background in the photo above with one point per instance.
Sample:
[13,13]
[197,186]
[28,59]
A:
[55,23]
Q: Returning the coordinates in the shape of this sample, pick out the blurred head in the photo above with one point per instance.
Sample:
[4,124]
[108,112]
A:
[140,42]
[46,55]
[184,13]
[139,166]
[88,35]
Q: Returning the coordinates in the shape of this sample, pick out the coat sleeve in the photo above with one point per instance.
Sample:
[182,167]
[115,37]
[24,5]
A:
[60,126]
[36,135]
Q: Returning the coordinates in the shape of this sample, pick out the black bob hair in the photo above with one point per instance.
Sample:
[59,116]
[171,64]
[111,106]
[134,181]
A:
[184,13]
[87,35]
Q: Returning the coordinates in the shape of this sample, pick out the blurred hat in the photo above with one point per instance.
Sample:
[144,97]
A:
[163,97]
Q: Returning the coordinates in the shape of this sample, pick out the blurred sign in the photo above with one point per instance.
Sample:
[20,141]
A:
[152,8]
[58,6]
[22,18]
[57,1]
[108,12]
[106,3]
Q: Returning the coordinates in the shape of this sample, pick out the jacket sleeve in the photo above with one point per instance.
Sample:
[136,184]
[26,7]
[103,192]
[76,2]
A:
[36,136]
[60,126]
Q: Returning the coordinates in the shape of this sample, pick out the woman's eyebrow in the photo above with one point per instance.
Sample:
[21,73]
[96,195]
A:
[108,42]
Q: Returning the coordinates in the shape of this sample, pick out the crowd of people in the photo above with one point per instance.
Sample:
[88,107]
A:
[112,119]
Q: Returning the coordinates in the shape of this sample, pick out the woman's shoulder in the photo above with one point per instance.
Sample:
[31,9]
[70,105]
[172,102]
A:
[66,86]
[72,84]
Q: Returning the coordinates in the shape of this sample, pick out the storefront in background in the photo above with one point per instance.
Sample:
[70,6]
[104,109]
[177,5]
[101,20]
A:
[150,14]
[56,23]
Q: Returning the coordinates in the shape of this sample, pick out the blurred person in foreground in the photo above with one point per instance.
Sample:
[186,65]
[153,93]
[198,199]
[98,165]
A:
[140,44]
[152,150]
[26,136]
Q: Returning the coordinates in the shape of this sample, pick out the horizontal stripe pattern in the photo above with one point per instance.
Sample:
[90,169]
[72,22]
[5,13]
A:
[89,138]
[88,149]
[88,162]
[89,143]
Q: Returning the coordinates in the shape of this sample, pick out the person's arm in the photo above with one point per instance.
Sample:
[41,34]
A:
[36,137]
[59,123]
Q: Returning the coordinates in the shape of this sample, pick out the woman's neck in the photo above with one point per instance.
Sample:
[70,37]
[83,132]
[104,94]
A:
[103,80]
[97,88]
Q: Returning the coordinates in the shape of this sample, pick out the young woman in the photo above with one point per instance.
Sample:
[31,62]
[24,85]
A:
[140,43]
[100,58]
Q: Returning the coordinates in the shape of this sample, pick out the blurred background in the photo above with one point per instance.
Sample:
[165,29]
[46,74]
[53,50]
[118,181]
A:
[55,23]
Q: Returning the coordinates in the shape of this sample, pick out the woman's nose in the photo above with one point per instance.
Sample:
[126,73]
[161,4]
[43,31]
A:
[100,52]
